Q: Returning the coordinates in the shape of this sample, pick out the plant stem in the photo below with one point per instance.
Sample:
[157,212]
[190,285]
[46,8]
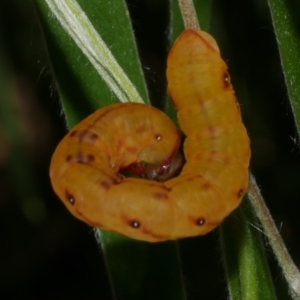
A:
[284,259]
[189,15]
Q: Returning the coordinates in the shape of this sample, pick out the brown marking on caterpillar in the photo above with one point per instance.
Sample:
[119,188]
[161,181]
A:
[80,158]
[117,179]
[216,149]
[70,197]
[161,196]
[206,186]
[226,80]
[136,224]
[73,133]
[82,135]
[101,115]
[200,221]
[106,184]
[240,193]
[68,158]
[110,181]
[93,137]
[158,136]
[166,189]
[90,158]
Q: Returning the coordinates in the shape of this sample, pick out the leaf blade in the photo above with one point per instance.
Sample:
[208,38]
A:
[77,77]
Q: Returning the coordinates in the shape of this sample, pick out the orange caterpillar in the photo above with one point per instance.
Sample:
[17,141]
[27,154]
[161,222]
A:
[85,168]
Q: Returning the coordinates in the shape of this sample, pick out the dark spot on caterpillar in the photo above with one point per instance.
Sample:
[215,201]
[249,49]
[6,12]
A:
[93,137]
[135,223]
[200,221]
[82,135]
[205,186]
[161,196]
[117,179]
[73,133]
[68,158]
[90,157]
[158,137]
[226,79]
[107,184]
[80,158]
[70,197]
[166,188]
[240,193]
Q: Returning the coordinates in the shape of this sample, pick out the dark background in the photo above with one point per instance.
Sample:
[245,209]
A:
[45,252]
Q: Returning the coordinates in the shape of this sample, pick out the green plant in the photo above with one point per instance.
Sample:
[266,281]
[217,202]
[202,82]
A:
[81,88]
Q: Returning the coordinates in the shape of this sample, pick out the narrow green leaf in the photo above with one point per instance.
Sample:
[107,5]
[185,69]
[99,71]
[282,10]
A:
[285,261]
[81,88]
[141,270]
[244,257]
[137,270]
[286,22]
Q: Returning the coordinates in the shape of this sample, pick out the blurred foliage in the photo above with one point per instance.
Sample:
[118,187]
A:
[48,254]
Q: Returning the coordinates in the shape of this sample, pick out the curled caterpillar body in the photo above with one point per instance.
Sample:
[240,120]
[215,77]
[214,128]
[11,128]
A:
[85,168]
